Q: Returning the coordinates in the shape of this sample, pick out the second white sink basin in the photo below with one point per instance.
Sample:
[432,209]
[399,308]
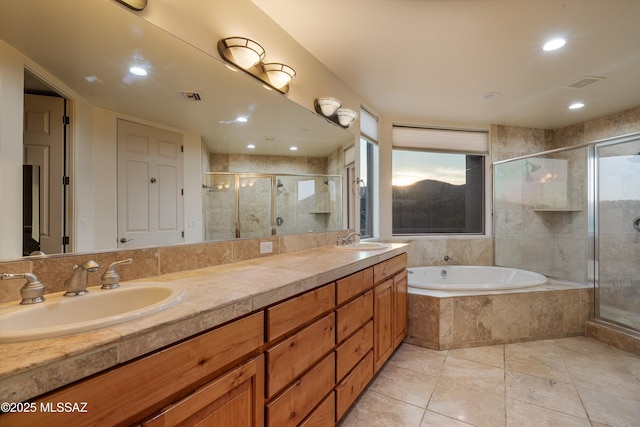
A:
[60,315]
[364,246]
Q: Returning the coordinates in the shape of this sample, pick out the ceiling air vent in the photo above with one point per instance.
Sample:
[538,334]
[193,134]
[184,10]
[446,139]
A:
[189,96]
[584,81]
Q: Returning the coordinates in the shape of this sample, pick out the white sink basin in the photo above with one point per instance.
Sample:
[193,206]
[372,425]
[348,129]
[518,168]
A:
[364,246]
[60,315]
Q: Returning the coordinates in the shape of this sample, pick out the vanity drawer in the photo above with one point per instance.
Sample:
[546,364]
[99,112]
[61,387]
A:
[350,286]
[350,388]
[349,353]
[293,356]
[388,268]
[289,315]
[324,415]
[353,315]
[297,401]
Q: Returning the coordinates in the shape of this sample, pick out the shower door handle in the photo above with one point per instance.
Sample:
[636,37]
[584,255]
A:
[636,224]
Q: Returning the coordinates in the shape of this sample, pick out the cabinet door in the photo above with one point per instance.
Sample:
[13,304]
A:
[400,307]
[383,339]
[235,399]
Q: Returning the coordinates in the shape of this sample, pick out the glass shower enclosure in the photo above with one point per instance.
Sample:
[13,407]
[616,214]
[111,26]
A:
[574,214]
[252,205]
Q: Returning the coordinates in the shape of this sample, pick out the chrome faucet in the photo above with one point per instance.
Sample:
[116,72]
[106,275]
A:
[77,283]
[343,241]
[32,292]
[110,278]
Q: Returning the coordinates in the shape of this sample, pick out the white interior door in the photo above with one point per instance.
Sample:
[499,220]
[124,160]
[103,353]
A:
[43,140]
[150,201]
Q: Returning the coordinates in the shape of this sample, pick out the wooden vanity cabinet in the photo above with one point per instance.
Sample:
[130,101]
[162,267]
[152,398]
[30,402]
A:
[390,308]
[134,391]
[299,362]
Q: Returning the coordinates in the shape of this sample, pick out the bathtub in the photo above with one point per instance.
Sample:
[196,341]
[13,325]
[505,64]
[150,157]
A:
[472,278]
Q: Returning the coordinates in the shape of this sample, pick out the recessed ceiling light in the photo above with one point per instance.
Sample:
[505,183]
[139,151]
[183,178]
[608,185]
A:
[242,119]
[576,105]
[554,44]
[138,71]
[294,148]
[489,95]
[251,146]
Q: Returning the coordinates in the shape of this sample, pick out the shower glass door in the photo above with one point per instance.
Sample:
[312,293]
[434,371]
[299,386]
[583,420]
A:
[618,231]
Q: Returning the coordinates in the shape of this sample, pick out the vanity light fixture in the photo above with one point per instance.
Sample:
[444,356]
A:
[330,108]
[293,148]
[576,106]
[242,119]
[251,146]
[280,75]
[346,116]
[245,52]
[248,56]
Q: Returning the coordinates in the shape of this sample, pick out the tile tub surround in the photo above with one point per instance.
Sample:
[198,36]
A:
[563,382]
[442,321]
[216,295]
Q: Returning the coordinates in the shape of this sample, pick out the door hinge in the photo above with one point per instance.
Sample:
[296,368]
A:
[183,234]
[66,120]
[66,180]
[65,240]
[182,191]
[182,148]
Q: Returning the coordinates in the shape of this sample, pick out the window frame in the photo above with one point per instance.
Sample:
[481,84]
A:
[482,153]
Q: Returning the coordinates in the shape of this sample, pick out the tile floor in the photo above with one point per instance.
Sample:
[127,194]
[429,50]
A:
[564,382]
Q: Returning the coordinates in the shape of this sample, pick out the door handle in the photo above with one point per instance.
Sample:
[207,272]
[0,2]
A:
[153,180]
[636,224]
[125,240]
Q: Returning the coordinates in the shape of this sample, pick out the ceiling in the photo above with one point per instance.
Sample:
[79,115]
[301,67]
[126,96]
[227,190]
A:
[438,61]
[89,45]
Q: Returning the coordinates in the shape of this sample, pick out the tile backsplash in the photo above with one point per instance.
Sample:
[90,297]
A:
[53,270]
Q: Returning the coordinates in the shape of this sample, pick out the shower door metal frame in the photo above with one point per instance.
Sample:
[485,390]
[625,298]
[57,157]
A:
[594,217]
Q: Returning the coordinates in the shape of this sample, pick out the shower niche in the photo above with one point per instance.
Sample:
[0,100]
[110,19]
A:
[250,205]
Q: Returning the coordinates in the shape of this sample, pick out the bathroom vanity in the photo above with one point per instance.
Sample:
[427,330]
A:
[299,354]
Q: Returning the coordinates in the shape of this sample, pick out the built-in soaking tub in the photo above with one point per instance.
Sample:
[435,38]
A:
[468,306]
[472,278]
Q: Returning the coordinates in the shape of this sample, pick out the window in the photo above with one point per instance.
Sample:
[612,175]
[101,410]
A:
[438,181]
[365,181]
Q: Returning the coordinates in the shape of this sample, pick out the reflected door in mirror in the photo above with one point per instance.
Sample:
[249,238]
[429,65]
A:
[150,205]
[44,147]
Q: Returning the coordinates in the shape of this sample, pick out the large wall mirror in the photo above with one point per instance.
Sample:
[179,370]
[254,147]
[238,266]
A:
[80,53]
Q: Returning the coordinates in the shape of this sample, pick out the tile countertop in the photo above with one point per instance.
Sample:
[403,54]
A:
[215,295]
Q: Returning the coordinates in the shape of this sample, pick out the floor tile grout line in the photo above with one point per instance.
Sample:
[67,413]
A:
[435,385]
[584,407]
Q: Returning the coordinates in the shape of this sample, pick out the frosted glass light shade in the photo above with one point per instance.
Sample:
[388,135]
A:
[345,116]
[329,106]
[279,75]
[245,52]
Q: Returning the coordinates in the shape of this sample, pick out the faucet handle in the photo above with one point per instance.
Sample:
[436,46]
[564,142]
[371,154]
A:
[32,292]
[110,278]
